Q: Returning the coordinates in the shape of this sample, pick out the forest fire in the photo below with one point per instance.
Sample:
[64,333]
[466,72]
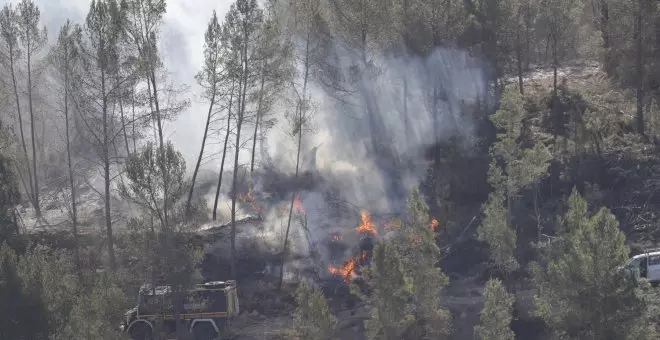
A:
[350,268]
[435,224]
[346,271]
[248,197]
[366,224]
[297,203]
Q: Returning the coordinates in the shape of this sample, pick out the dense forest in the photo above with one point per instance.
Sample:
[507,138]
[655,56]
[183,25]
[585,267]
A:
[367,169]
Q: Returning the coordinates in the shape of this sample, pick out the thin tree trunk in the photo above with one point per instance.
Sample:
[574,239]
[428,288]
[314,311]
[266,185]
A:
[20,126]
[406,119]
[123,119]
[224,153]
[639,66]
[239,123]
[555,65]
[233,196]
[300,109]
[74,207]
[201,153]
[152,78]
[133,122]
[35,193]
[256,124]
[520,62]
[106,173]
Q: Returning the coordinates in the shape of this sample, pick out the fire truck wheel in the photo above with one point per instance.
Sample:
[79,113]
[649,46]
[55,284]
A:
[203,330]
[140,331]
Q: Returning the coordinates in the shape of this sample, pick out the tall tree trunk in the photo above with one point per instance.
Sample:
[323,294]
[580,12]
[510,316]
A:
[74,207]
[639,67]
[123,119]
[20,126]
[239,123]
[555,64]
[258,118]
[519,61]
[35,192]
[224,153]
[154,88]
[106,173]
[133,122]
[604,22]
[406,118]
[201,153]
[300,110]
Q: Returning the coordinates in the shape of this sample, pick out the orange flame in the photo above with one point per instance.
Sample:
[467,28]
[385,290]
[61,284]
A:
[366,224]
[299,206]
[248,197]
[346,271]
[434,224]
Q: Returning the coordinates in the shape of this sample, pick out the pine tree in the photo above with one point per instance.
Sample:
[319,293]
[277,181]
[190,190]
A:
[242,23]
[390,293]
[210,79]
[512,169]
[94,97]
[496,315]
[33,39]
[312,319]
[582,295]
[419,255]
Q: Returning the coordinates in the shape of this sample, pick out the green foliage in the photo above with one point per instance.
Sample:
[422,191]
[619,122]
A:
[96,314]
[46,274]
[496,315]
[495,230]
[582,295]
[390,293]
[23,314]
[42,298]
[9,198]
[312,319]
[419,255]
[512,169]
[147,179]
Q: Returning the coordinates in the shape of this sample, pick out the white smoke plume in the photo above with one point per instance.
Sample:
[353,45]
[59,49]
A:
[347,175]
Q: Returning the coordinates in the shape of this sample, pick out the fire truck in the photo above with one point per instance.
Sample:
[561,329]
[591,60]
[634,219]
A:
[205,311]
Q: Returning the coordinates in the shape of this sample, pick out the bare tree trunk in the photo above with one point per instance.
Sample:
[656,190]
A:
[239,123]
[406,119]
[201,153]
[224,153]
[639,66]
[35,192]
[555,64]
[300,110]
[133,122]
[256,124]
[520,62]
[154,88]
[20,126]
[123,119]
[74,207]
[106,173]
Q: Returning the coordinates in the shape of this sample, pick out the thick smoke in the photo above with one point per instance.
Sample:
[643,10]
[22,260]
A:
[347,174]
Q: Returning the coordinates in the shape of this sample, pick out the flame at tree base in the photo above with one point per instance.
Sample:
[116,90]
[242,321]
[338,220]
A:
[346,271]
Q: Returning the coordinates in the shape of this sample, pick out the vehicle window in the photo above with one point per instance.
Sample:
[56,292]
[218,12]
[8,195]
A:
[654,260]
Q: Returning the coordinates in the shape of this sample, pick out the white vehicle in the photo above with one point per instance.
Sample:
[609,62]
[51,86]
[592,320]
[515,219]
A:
[646,264]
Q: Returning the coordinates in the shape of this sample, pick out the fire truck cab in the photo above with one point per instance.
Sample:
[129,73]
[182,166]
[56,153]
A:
[205,310]
[647,265]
